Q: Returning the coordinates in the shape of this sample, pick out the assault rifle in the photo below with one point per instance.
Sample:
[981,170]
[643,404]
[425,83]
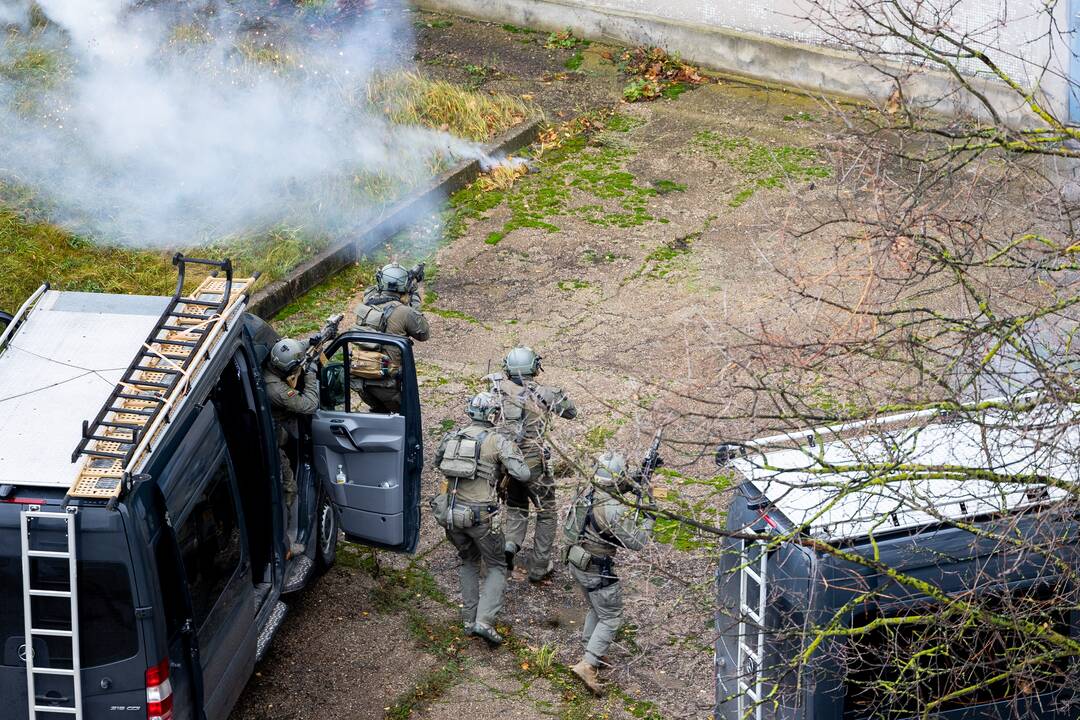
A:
[416,276]
[648,467]
[316,343]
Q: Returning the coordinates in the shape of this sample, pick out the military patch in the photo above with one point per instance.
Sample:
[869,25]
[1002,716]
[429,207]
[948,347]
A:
[290,393]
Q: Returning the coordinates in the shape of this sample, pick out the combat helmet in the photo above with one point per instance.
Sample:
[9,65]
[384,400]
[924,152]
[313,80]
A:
[610,470]
[392,278]
[483,407]
[522,362]
[286,355]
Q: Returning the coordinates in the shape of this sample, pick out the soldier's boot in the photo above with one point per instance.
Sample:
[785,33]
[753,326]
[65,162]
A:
[510,551]
[539,575]
[468,628]
[490,634]
[587,674]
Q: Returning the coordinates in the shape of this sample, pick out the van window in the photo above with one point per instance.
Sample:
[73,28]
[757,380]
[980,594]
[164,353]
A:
[106,610]
[209,541]
[921,657]
[171,586]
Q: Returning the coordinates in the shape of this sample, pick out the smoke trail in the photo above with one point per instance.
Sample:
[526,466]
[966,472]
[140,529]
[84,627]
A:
[175,123]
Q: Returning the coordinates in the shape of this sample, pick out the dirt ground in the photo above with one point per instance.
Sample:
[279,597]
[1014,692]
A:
[657,248]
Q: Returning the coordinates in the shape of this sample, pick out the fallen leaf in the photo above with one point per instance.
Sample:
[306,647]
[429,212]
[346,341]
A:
[893,105]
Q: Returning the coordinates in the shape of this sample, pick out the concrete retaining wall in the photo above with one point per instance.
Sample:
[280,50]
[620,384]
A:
[766,40]
[269,301]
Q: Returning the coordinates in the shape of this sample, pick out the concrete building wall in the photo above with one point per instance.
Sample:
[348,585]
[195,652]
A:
[773,40]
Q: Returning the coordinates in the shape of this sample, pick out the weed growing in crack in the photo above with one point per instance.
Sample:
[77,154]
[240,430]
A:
[574,284]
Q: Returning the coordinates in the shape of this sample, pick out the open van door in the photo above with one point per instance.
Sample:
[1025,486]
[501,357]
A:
[369,463]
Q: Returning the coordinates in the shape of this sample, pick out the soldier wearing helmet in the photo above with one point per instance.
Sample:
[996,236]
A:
[527,408]
[392,307]
[286,403]
[475,460]
[601,520]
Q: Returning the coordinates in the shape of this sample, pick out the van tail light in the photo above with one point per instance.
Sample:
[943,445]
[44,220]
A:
[159,699]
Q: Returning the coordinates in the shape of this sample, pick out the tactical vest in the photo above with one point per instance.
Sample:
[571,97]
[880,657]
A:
[582,530]
[521,411]
[375,317]
[577,518]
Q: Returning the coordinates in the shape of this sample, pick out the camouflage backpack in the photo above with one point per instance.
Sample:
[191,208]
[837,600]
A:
[462,454]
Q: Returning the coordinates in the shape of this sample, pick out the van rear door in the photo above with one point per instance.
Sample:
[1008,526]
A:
[370,463]
[111,651]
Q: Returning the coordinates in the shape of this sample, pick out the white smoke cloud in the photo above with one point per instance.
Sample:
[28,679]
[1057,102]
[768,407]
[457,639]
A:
[14,12]
[152,141]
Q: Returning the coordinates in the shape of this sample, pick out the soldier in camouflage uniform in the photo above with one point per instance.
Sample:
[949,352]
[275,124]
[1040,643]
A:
[286,402]
[527,407]
[392,307]
[475,460]
[597,525]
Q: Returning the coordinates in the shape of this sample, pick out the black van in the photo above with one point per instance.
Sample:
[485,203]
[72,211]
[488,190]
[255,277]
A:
[179,562]
[844,547]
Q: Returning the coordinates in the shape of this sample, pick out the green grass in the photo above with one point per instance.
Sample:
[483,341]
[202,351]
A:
[36,251]
[592,169]
[431,297]
[307,313]
[761,166]
[434,24]
[575,61]
[597,437]
[515,30]
[398,591]
[665,187]
[623,123]
[574,284]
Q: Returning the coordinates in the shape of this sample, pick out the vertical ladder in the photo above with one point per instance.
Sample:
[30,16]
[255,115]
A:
[30,627]
[753,571]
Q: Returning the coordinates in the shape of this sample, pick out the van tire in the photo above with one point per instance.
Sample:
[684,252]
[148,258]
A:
[326,533]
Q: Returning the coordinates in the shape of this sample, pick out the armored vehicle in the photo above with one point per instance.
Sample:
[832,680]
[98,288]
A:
[144,558]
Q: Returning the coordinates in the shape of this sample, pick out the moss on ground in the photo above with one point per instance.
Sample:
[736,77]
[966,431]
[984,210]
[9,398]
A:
[574,284]
[431,297]
[591,167]
[759,165]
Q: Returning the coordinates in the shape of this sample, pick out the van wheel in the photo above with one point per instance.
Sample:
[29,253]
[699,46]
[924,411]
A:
[326,533]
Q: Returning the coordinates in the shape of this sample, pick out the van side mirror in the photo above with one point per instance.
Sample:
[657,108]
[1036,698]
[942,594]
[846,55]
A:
[332,386]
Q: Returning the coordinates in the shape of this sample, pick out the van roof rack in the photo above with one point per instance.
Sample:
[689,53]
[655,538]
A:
[115,442]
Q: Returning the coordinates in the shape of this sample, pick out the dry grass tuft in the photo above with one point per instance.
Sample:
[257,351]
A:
[502,176]
[410,99]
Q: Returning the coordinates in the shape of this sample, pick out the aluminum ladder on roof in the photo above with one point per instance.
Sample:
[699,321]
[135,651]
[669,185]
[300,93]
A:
[31,629]
[156,380]
[754,565]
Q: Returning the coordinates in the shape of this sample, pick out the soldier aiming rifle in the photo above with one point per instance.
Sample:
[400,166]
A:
[598,524]
[316,344]
[292,385]
[393,307]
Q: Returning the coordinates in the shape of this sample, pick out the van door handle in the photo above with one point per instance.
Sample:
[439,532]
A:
[341,432]
[52,699]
